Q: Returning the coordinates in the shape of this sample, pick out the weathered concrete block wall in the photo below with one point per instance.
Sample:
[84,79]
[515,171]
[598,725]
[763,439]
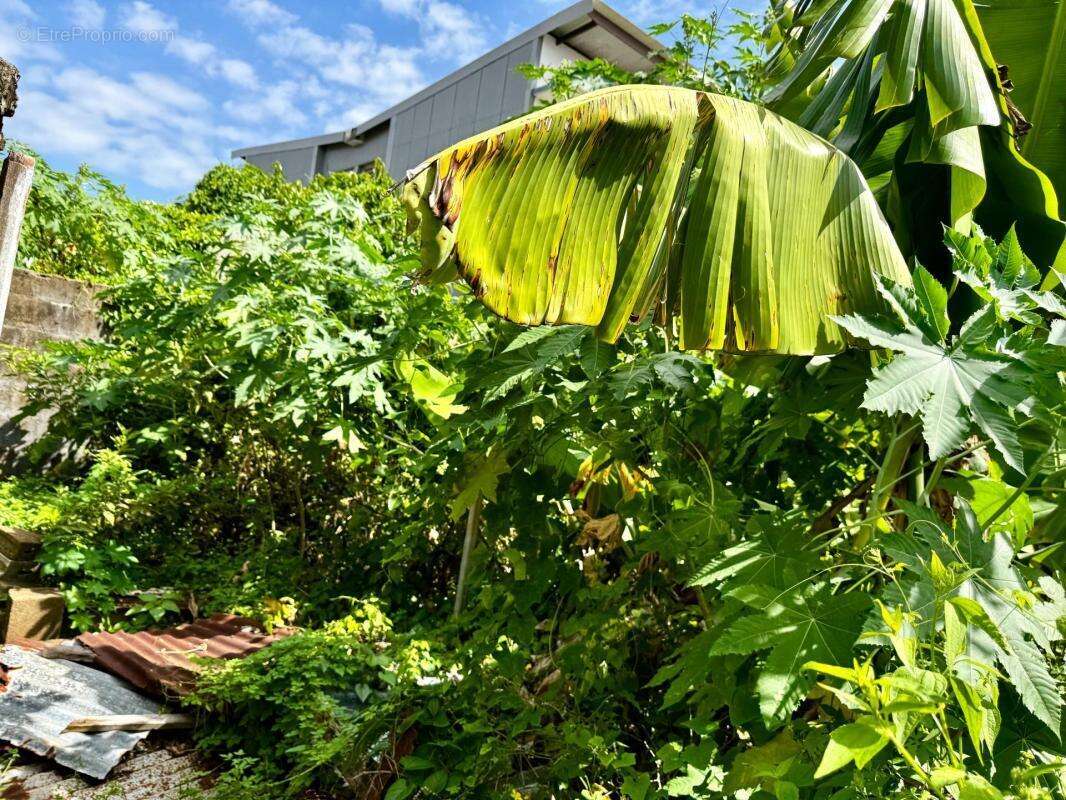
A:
[40,308]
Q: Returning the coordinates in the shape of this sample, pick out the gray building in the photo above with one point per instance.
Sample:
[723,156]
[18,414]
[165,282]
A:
[472,99]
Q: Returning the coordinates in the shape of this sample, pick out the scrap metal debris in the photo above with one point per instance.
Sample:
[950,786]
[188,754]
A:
[160,662]
[44,696]
[155,770]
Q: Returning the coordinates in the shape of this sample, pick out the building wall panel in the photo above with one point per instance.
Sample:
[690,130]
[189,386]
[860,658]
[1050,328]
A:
[404,127]
[296,164]
[339,157]
[490,94]
[466,106]
[517,88]
[443,109]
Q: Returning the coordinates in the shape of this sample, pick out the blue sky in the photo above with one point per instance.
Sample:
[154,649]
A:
[153,93]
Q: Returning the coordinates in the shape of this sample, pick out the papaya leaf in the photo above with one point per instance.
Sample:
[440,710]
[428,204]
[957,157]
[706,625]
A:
[953,386]
[797,626]
[775,551]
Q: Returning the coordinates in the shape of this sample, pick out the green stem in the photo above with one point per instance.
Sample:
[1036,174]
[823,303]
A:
[942,723]
[1021,489]
[887,477]
[912,762]
[916,466]
[705,607]
[938,470]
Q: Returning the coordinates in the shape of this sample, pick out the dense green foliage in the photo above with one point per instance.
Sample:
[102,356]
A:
[703,54]
[236,392]
[84,226]
[706,576]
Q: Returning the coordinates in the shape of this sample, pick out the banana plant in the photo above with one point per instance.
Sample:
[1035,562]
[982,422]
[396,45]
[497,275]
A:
[1029,37]
[749,230]
[913,91]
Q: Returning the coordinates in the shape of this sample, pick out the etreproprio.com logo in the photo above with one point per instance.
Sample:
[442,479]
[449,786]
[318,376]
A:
[93,35]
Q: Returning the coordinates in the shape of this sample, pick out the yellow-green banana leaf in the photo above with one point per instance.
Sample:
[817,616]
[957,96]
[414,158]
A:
[750,229]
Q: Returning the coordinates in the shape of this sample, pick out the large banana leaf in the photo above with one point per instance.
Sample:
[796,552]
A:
[596,210]
[917,78]
[1029,37]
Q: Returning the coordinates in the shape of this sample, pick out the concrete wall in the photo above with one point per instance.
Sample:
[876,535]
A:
[39,308]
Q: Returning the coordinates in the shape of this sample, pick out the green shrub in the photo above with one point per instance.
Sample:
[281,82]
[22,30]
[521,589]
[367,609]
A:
[247,382]
[85,227]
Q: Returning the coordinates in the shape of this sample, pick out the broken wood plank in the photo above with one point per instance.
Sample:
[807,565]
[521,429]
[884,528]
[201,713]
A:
[132,722]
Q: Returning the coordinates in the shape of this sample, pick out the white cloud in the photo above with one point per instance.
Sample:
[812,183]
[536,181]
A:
[448,32]
[18,18]
[237,72]
[261,12]
[231,133]
[451,32]
[408,8]
[144,100]
[276,103]
[142,16]
[192,50]
[86,14]
[382,74]
[16,8]
[146,127]
[159,90]
[204,55]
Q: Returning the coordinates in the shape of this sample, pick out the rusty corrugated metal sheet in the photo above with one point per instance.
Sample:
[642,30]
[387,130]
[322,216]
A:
[41,697]
[158,661]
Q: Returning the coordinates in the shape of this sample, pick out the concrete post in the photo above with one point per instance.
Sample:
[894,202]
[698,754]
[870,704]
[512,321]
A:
[15,180]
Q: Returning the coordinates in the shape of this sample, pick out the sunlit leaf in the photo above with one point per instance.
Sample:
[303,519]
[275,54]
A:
[562,216]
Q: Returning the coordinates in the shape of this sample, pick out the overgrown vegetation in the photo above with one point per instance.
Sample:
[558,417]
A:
[704,53]
[695,575]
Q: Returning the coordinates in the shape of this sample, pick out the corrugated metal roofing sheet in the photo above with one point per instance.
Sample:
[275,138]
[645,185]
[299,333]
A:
[158,661]
[157,769]
[41,697]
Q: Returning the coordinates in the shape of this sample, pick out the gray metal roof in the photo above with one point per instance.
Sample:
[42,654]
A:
[43,696]
[584,19]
